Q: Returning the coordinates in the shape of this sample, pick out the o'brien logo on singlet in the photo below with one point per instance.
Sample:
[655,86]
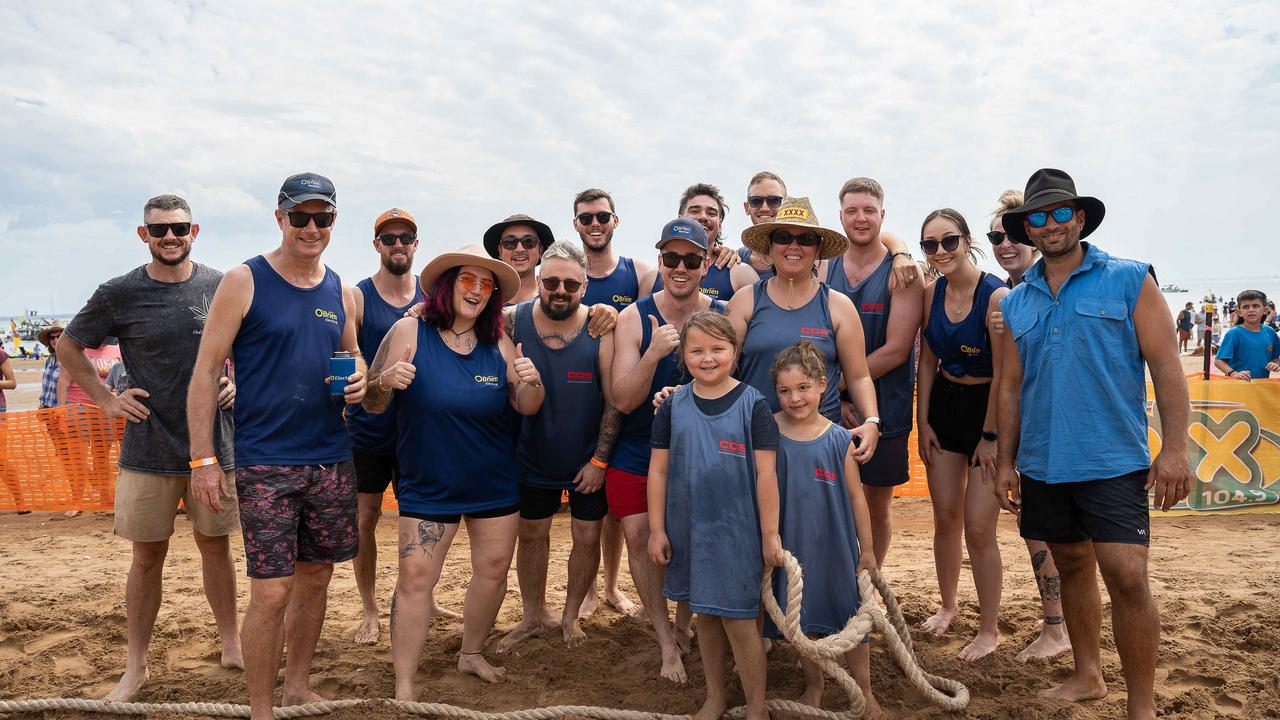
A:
[487,380]
[713,293]
[328,316]
[825,476]
[623,299]
[970,350]
[815,332]
[733,447]
[580,376]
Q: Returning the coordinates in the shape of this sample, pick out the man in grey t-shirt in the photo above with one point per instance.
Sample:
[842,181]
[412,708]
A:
[157,311]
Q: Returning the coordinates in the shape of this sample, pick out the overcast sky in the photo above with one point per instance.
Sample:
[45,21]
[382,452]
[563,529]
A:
[465,113]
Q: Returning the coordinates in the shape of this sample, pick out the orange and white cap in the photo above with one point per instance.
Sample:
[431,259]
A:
[394,214]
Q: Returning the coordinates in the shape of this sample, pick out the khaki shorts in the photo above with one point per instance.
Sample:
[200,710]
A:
[146,505]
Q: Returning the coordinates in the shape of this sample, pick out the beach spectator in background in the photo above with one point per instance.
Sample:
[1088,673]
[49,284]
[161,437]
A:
[8,475]
[1249,350]
[80,422]
[1186,319]
[52,368]
[1270,318]
[8,380]
[1200,318]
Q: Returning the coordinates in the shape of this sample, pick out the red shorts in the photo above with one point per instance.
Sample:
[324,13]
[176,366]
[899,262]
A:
[626,492]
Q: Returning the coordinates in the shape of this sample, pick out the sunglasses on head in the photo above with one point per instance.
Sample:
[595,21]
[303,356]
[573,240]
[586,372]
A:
[948,243]
[783,237]
[159,230]
[692,261]
[528,242]
[601,217]
[553,283]
[300,219]
[757,201]
[390,239]
[996,237]
[1040,218]
[470,282]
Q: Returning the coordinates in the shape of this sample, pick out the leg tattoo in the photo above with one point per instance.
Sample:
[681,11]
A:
[429,534]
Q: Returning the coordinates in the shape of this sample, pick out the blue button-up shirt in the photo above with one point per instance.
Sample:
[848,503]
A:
[49,381]
[1084,388]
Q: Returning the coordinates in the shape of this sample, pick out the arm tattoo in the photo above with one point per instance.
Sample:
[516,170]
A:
[376,398]
[509,322]
[428,536]
[610,423]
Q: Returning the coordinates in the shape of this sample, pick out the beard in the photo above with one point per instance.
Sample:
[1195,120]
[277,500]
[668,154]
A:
[396,266]
[1073,241]
[557,315]
[158,257]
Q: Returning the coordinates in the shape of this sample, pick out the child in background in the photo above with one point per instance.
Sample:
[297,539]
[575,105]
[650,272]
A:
[713,506]
[824,516]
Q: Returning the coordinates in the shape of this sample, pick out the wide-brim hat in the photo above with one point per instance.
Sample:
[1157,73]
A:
[795,212]
[1046,187]
[505,275]
[494,233]
[47,330]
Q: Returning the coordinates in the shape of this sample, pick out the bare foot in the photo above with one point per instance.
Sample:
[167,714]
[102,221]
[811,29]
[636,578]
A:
[684,638]
[710,710]
[526,628]
[1052,642]
[589,605]
[982,645]
[304,696]
[232,659]
[129,685]
[573,635]
[618,600]
[673,667]
[940,622]
[812,696]
[70,514]
[475,664]
[368,632]
[439,611]
[1076,689]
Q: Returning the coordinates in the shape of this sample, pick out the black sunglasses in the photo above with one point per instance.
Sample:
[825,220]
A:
[948,243]
[528,242]
[159,230]
[553,283]
[600,217]
[782,237]
[692,261]
[390,239]
[756,201]
[300,219]
[996,237]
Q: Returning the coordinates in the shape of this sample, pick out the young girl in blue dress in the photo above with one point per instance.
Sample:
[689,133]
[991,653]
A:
[713,506]
[824,518]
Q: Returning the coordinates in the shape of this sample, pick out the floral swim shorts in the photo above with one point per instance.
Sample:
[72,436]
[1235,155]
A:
[292,513]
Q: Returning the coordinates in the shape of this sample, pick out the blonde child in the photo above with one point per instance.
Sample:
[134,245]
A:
[713,506]
[824,516]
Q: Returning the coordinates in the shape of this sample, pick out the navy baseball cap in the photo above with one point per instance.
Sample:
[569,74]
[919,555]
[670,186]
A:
[302,187]
[681,229]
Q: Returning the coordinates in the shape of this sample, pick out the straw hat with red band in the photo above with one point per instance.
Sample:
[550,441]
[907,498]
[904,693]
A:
[397,215]
[795,212]
[504,275]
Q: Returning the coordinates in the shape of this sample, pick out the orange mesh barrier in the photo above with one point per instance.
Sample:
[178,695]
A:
[65,459]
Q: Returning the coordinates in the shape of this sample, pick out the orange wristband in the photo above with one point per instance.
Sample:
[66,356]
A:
[202,462]
[599,463]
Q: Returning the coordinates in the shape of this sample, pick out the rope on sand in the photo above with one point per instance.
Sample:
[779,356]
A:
[827,652]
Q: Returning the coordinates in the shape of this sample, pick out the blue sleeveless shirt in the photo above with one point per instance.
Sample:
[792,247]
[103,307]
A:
[284,414]
[817,526]
[631,453]
[744,252]
[713,521]
[963,348]
[773,329]
[619,288]
[376,432]
[560,439]
[895,390]
[457,442]
[716,284]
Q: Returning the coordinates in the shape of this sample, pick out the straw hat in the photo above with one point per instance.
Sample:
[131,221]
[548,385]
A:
[47,330]
[795,212]
[473,254]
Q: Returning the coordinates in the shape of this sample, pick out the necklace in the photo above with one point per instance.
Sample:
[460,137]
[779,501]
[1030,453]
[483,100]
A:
[458,335]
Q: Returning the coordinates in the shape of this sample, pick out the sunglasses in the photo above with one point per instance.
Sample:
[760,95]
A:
[300,219]
[692,261]
[757,201]
[782,237]
[553,283]
[528,242]
[470,282]
[159,230]
[948,243]
[996,237]
[1040,218]
[601,217]
[390,239]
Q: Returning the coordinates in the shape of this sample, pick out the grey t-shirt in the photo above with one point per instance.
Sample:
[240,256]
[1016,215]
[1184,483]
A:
[159,326]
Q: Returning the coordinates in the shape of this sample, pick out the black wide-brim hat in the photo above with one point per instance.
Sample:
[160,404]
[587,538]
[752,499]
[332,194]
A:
[494,233]
[1046,187]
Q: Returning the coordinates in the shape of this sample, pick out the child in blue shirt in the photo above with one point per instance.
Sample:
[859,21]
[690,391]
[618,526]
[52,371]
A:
[1249,350]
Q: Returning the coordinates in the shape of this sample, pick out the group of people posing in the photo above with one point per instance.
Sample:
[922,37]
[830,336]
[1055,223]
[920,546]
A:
[706,412]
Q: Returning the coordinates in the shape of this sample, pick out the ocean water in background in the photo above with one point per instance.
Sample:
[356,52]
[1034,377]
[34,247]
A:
[1196,289]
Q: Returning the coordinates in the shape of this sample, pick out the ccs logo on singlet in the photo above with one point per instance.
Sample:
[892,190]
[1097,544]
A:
[970,350]
[825,476]
[489,380]
[874,308]
[580,376]
[733,447]
[328,316]
[623,299]
[815,332]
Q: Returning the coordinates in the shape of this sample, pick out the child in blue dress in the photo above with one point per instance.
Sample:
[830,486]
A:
[824,518]
[713,507]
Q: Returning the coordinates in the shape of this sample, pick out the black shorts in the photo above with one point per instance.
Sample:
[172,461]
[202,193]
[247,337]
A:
[1114,510]
[375,472]
[956,414]
[455,518]
[889,466]
[538,503]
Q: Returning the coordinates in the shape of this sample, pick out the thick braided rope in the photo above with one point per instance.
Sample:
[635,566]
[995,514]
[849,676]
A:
[827,652]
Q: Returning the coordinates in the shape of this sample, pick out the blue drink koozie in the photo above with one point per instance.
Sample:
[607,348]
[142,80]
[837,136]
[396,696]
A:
[341,366]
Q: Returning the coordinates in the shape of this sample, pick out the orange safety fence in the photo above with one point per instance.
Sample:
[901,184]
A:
[65,459]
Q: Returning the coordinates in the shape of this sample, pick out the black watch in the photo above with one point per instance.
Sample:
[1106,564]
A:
[988,435]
